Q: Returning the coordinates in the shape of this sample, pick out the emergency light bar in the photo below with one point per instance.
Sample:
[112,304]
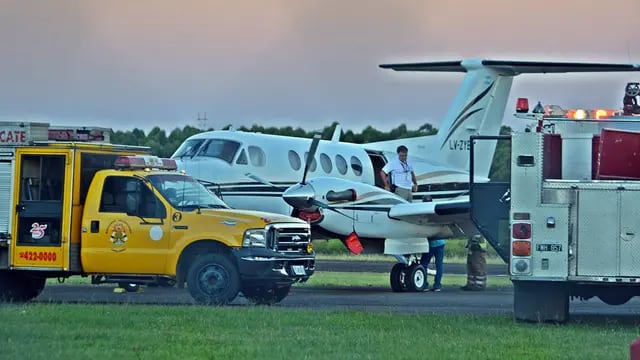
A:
[144,162]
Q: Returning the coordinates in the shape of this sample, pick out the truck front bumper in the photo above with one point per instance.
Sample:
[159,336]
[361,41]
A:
[259,264]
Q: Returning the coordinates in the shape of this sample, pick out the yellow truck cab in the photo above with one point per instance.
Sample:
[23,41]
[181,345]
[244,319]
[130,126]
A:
[118,215]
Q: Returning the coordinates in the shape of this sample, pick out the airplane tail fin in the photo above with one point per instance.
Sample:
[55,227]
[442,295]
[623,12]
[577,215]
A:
[479,106]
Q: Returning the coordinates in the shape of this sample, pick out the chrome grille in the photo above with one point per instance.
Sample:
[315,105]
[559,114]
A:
[288,238]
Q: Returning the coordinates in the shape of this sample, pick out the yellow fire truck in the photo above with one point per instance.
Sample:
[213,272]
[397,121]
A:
[119,215]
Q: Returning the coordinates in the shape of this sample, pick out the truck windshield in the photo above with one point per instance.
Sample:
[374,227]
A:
[185,193]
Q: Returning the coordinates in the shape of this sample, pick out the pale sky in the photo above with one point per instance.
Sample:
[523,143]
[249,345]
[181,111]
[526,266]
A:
[125,64]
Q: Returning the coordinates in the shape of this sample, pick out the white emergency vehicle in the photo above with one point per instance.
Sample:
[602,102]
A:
[567,222]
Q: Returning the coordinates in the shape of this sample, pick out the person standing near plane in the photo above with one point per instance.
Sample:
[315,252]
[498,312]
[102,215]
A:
[398,176]
[476,264]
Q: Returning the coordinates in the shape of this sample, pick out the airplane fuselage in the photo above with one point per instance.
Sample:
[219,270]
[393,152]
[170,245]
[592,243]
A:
[226,157]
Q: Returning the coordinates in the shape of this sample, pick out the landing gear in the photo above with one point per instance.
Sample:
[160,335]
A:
[397,277]
[410,276]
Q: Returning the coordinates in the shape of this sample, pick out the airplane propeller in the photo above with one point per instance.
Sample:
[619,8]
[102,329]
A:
[302,195]
[310,156]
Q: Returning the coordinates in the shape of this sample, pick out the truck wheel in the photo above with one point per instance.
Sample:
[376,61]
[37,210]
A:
[128,287]
[266,295]
[397,277]
[213,279]
[19,287]
[614,298]
[416,278]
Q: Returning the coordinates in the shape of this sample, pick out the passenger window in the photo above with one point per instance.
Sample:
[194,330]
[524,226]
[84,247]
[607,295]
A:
[356,166]
[42,177]
[294,160]
[242,158]
[325,162]
[341,164]
[256,156]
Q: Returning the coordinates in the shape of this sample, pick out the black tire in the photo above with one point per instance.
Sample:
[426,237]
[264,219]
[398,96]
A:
[615,298]
[416,278]
[397,277]
[129,287]
[213,279]
[266,295]
[17,286]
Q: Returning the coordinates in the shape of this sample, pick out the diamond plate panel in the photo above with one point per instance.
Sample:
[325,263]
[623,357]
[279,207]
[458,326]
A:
[597,241]
[629,233]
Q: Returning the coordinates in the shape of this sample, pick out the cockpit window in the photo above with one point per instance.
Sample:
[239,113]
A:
[242,158]
[185,193]
[221,149]
[188,148]
[257,156]
[356,166]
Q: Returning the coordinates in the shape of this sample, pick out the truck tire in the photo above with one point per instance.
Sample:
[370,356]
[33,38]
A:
[540,301]
[16,286]
[213,279]
[266,295]
[615,298]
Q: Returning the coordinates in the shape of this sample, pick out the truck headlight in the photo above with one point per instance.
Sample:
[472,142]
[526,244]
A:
[255,238]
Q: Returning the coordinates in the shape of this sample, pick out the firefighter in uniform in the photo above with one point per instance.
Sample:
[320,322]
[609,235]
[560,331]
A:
[476,264]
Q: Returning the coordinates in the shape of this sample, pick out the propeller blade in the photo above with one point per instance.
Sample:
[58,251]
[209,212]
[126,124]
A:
[325,206]
[310,156]
[261,180]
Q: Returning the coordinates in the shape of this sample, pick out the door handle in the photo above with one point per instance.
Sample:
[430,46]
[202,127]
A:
[95,226]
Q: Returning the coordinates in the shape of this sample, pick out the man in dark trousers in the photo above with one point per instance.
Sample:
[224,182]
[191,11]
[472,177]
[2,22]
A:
[476,264]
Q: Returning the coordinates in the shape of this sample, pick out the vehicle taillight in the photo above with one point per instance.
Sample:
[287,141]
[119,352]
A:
[522,105]
[521,248]
[521,231]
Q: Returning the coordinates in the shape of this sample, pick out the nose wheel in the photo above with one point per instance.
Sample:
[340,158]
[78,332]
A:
[408,278]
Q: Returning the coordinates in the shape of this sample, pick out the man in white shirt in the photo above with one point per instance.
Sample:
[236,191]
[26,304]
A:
[399,173]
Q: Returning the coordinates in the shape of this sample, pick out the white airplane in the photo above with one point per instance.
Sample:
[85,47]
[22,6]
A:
[343,197]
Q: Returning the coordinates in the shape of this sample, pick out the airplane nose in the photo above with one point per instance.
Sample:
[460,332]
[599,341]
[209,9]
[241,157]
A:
[300,196]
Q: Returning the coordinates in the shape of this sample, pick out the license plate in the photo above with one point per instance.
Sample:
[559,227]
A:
[298,270]
[549,247]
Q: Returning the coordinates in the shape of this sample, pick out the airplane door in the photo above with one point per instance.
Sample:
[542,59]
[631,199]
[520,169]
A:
[41,217]
[377,161]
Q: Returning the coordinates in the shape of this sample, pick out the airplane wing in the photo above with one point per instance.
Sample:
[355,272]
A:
[443,212]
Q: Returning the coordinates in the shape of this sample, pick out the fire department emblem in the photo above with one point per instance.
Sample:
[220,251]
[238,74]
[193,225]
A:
[118,234]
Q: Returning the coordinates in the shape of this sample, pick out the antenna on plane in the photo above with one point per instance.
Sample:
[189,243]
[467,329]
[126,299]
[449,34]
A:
[336,133]
[202,121]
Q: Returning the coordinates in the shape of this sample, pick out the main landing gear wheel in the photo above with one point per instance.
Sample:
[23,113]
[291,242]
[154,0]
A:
[408,278]
[416,278]
[397,277]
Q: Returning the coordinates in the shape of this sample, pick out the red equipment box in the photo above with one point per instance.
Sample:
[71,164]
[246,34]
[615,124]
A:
[619,155]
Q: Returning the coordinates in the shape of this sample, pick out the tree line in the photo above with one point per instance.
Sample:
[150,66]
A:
[164,145]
